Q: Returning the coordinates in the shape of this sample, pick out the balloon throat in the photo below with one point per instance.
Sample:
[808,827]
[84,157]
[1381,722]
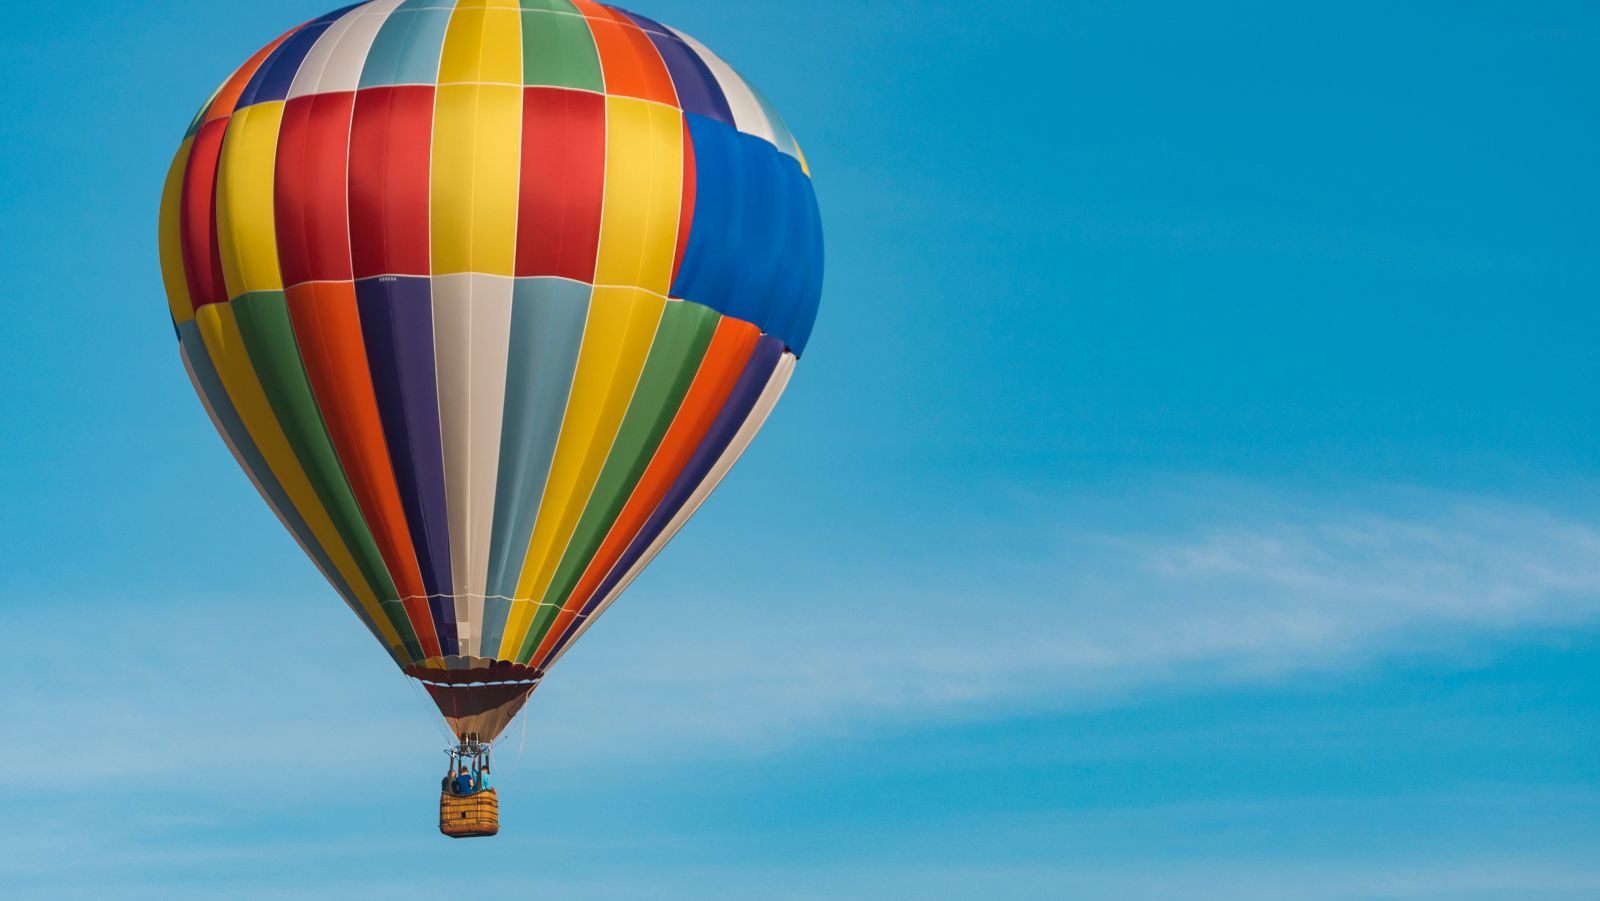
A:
[470,746]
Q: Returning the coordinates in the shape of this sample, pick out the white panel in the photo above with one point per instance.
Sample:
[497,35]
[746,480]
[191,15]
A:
[471,336]
[335,60]
[730,455]
[748,115]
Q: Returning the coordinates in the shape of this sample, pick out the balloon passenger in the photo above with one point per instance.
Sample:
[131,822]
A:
[463,781]
[483,779]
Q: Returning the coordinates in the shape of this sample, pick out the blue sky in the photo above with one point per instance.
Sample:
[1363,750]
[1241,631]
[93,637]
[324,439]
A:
[1190,491]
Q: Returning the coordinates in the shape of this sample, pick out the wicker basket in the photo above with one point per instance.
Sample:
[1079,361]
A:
[466,816]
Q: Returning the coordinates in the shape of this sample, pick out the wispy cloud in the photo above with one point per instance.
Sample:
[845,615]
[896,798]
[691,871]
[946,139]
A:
[1235,585]
[1230,585]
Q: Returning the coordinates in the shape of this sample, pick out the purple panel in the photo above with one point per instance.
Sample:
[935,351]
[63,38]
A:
[277,71]
[757,372]
[698,91]
[397,329]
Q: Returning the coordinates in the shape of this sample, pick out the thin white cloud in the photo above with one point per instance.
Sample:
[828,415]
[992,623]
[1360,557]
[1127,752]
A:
[1251,587]
[1229,585]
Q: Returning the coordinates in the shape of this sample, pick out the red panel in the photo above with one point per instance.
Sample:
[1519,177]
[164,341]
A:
[197,217]
[391,141]
[197,210]
[686,206]
[630,62]
[327,329]
[725,359]
[563,182]
[310,200]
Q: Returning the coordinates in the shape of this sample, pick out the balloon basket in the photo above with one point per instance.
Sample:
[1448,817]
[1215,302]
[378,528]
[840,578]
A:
[469,816]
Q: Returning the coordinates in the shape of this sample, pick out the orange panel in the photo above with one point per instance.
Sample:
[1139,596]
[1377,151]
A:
[629,61]
[327,328]
[228,96]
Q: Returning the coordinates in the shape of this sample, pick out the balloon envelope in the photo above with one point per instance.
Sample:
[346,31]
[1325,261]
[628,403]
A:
[485,298]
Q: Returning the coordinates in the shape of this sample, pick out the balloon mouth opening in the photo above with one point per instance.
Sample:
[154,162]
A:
[478,702]
[460,672]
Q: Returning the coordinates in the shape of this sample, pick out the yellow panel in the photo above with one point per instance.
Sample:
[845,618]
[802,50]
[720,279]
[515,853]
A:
[477,144]
[644,185]
[225,346]
[616,339]
[483,43]
[244,200]
[171,244]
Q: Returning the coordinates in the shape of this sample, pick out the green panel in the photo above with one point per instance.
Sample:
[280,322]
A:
[555,6]
[675,356]
[541,624]
[396,614]
[263,318]
[558,51]
[200,115]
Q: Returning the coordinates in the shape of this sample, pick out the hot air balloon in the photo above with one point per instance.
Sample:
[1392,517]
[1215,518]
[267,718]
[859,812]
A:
[486,298]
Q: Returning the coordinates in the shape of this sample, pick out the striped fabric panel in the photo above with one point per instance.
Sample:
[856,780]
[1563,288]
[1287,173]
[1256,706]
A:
[485,296]
[548,319]
[629,62]
[397,331]
[697,88]
[335,63]
[725,357]
[621,326]
[170,238]
[214,346]
[406,48]
[754,252]
[224,347]
[558,48]
[248,250]
[208,387]
[387,175]
[753,398]
[562,183]
[477,140]
[680,342]
[305,343]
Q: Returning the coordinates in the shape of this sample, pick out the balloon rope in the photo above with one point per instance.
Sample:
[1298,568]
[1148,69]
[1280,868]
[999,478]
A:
[523,743]
[432,710]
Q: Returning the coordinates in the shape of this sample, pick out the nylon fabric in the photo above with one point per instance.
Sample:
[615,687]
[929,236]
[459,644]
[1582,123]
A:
[724,451]
[208,387]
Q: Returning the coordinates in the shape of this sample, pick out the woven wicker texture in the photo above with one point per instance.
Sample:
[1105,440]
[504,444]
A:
[470,815]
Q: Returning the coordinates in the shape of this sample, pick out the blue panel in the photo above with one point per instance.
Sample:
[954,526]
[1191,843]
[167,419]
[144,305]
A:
[272,80]
[697,89]
[547,322]
[754,250]
[705,275]
[407,48]
[217,398]
[811,292]
[762,252]
[798,308]
[397,332]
